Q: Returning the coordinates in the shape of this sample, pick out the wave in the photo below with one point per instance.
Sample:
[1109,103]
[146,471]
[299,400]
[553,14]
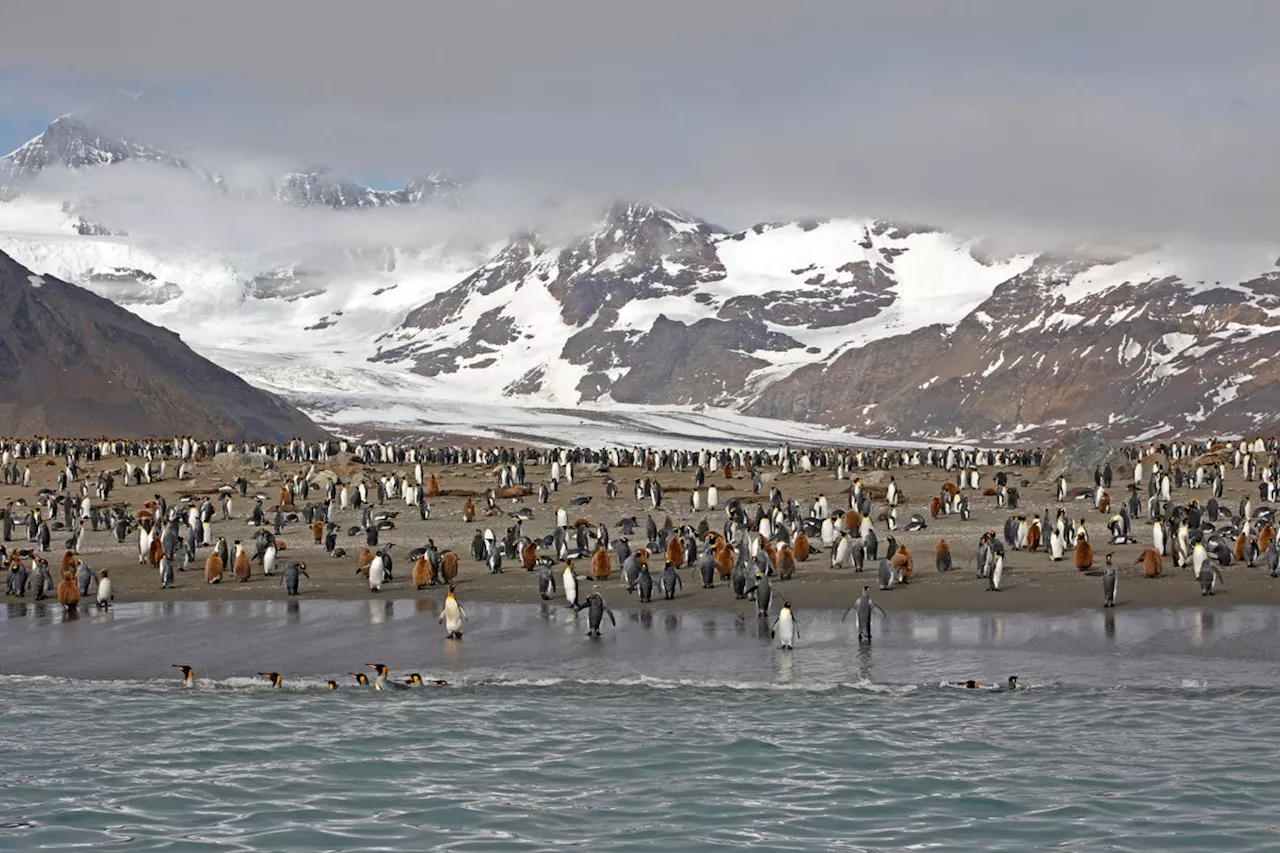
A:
[488,682]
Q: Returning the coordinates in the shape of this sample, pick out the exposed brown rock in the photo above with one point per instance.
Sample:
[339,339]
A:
[75,364]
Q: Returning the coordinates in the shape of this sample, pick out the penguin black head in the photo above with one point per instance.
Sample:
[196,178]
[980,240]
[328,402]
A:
[333,685]
[786,605]
[187,671]
[360,677]
[866,589]
[273,677]
[1013,682]
[380,668]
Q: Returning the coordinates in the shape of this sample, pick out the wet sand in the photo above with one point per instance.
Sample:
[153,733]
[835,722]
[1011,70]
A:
[1032,583]
[307,640]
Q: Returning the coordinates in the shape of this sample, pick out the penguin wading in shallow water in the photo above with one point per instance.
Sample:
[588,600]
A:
[785,628]
[453,616]
[863,607]
[596,611]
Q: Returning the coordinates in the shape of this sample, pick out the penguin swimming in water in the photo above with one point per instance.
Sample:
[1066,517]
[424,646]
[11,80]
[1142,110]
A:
[273,677]
[596,611]
[452,616]
[360,678]
[863,606]
[381,672]
[188,674]
[1010,684]
[331,684]
[785,628]
[1109,584]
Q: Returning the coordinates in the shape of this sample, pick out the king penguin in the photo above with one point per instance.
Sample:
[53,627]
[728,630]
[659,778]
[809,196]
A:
[785,628]
[863,607]
[596,611]
[1109,584]
[188,674]
[452,616]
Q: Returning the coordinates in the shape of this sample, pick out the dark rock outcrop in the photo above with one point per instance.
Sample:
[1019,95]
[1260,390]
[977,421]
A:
[1078,454]
[75,364]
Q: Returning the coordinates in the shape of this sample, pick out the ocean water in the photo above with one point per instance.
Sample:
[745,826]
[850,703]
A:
[1143,730]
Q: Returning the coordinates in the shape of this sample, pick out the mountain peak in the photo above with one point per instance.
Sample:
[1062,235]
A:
[72,143]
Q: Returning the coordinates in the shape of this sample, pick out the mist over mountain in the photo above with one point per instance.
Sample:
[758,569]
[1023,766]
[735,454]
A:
[446,290]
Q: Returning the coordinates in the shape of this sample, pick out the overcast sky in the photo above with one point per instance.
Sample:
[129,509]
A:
[1133,119]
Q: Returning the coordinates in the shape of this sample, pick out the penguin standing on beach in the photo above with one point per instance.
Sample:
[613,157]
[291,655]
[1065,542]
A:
[570,580]
[291,577]
[1109,584]
[669,581]
[377,573]
[43,581]
[644,584]
[997,573]
[863,607]
[106,592]
[546,583]
[452,616]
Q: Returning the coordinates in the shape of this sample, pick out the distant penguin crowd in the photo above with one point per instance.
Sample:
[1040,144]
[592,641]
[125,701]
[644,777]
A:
[748,528]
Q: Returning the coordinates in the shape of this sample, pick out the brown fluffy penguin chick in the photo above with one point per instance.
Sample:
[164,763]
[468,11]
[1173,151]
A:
[1152,563]
[1084,555]
[801,547]
[601,565]
[421,573]
[213,569]
[68,593]
[786,563]
[448,566]
[243,569]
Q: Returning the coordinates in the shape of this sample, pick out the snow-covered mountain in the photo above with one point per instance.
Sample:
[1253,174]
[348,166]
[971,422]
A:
[876,328]
[70,143]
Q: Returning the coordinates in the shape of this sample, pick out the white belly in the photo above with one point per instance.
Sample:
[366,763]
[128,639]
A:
[786,629]
[452,617]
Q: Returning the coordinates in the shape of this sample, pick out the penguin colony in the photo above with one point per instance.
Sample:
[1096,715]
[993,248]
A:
[744,534]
